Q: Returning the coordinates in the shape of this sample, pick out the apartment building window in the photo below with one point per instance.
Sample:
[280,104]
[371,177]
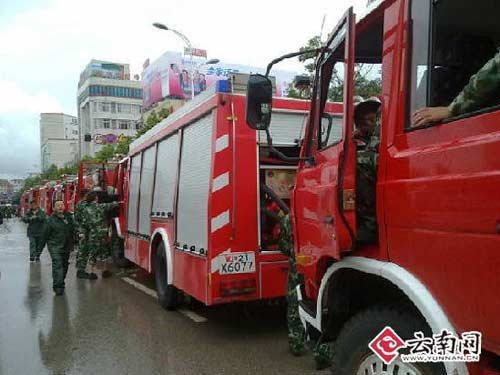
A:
[124,125]
[124,92]
[113,124]
[105,107]
[113,107]
[106,123]
[136,109]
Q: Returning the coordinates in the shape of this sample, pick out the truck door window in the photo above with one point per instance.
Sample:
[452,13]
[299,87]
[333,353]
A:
[331,90]
[420,13]
[450,42]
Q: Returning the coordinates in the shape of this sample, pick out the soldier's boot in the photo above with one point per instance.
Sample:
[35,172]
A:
[81,274]
[295,339]
[106,274]
[322,356]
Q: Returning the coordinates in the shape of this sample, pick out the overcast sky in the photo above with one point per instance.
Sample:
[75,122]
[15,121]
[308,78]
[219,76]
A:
[45,44]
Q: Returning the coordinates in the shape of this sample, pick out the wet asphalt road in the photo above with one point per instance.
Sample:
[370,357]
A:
[111,327]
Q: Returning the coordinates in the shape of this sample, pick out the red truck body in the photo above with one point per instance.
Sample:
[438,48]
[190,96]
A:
[193,197]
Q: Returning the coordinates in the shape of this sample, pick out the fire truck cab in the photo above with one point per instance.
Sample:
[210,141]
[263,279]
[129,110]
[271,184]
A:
[435,264]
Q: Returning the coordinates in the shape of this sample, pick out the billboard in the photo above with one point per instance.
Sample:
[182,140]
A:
[103,69]
[170,76]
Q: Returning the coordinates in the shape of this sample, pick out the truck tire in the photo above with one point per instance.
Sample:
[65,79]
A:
[351,354]
[167,294]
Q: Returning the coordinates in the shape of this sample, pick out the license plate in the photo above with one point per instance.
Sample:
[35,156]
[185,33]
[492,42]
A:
[233,263]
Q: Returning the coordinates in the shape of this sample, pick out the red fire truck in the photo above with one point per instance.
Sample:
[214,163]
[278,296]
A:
[25,202]
[46,193]
[65,191]
[436,263]
[204,199]
[100,177]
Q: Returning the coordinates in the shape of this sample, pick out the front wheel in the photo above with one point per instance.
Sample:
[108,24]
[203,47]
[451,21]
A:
[352,354]
[167,294]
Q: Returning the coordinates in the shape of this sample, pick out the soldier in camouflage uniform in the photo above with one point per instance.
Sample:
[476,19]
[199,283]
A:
[367,134]
[59,235]
[483,90]
[35,218]
[95,224]
[82,254]
[296,333]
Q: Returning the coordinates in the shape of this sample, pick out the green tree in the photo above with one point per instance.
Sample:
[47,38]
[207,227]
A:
[122,146]
[105,153]
[309,59]
[52,173]
[31,182]
[164,113]
[367,81]
[152,120]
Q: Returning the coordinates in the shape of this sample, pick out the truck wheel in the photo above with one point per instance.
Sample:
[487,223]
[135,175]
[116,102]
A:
[351,354]
[167,294]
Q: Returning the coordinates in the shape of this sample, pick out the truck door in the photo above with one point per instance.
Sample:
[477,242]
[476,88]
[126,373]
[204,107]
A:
[324,195]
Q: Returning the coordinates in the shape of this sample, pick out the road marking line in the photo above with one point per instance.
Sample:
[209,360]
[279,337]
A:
[193,316]
[150,292]
[142,288]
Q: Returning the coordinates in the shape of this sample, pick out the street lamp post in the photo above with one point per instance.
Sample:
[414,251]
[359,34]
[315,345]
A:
[184,38]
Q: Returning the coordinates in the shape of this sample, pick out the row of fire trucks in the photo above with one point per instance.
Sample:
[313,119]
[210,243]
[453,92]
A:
[100,177]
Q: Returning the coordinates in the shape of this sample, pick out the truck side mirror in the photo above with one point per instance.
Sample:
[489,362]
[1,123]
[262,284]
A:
[259,102]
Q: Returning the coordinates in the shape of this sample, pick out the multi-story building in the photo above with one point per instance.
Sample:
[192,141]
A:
[58,139]
[58,126]
[17,184]
[109,105]
[5,187]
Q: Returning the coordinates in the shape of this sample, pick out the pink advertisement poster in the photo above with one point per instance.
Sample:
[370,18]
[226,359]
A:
[170,77]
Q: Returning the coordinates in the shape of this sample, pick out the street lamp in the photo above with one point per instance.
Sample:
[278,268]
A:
[184,38]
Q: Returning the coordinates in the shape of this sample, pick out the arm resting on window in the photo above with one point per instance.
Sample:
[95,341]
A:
[482,86]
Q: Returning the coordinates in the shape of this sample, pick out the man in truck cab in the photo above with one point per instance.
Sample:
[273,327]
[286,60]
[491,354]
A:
[483,90]
[367,134]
